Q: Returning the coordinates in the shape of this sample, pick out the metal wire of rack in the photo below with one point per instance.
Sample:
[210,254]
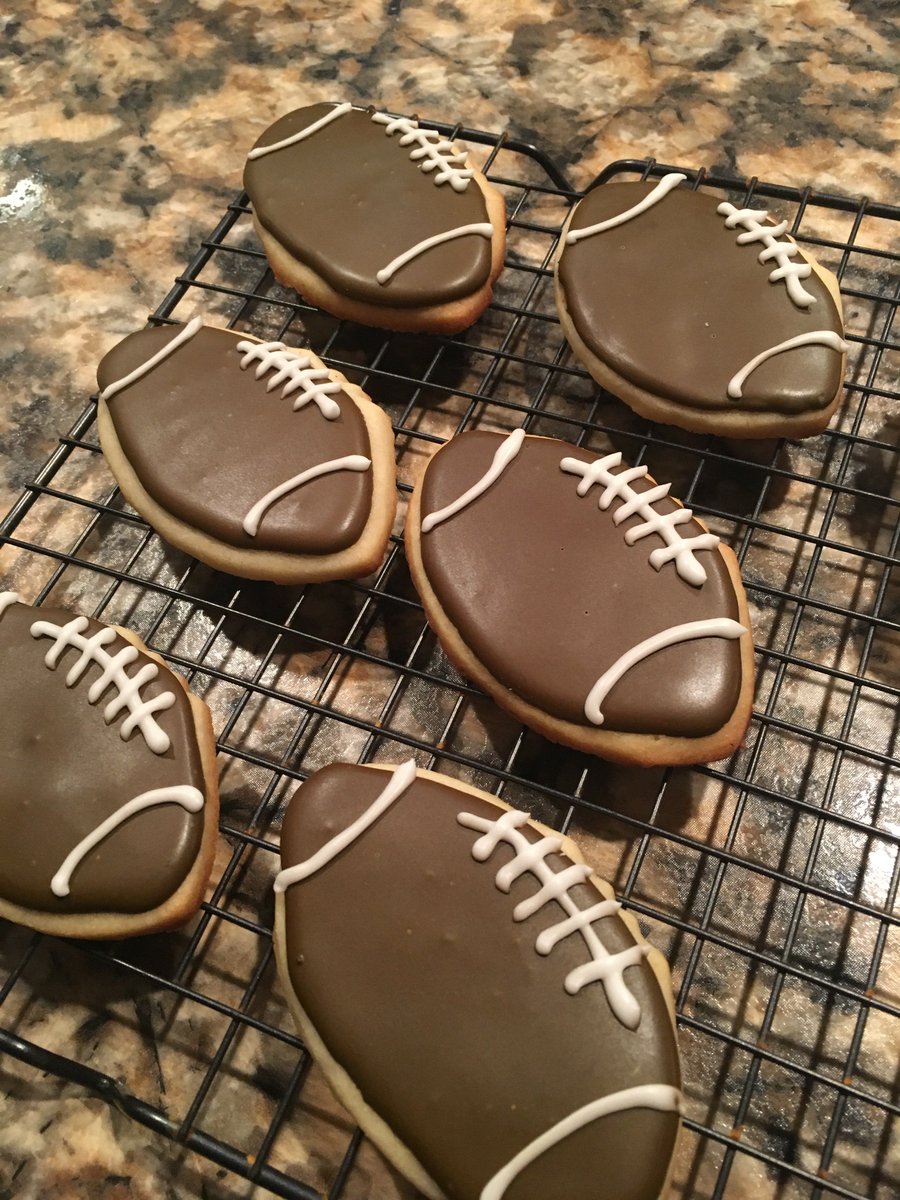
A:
[770,881]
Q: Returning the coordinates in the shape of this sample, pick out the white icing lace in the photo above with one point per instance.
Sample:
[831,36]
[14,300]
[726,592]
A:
[751,221]
[664,525]
[128,688]
[431,150]
[294,371]
[531,857]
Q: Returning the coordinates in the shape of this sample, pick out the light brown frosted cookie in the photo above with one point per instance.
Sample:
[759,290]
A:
[700,314]
[475,996]
[255,458]
[375,219]
[109,796]
[582,598]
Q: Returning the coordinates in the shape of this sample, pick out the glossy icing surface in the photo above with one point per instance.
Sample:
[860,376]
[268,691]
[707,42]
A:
[208,441]
[676,305]
[65,771]
[459,1034]
[349,199]
[542,587]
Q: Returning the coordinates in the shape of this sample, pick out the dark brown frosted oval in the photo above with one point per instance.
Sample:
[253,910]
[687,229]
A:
[207,441]
[67,771]
[676,306]
[349,199]
[404,954]
[542,587]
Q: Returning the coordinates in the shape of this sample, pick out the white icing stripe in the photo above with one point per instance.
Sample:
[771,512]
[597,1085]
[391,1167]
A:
[114,674]
[482,228]
[505,453]
[721,627]
[816,337]
[662,189]
[292,368]
[336,112]
[751,220]
[180,338]
[7,599]
[430,149]
[658,1096]
[664,525]
[531,857]
[188,797]
[401,778]
[351,462]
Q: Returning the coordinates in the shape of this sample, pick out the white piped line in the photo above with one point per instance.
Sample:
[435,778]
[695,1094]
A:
[505,453]
[192,327]
[720,627]
[189,798]
[665,185]
[339,111]
[816,337]
[401,778]
[658,1096]
[7,599]
[482,228]
[350,462]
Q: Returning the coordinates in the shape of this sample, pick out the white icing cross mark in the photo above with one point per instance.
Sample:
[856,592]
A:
[665,185]
[7,599]
[530,857]
[503,456]
[189,798]
[816,337]
[351,462]
[752,221]
[401,778]
[659,1096]
[482,228]
[664,525]
[113,674]
[337,111]
[721,627]
[430,149]
[292,368]
[184,335]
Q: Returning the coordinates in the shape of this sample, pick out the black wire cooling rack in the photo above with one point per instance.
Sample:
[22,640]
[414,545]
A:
[769,881]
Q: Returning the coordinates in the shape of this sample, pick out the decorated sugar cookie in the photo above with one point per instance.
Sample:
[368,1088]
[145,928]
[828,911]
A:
[108,796]
[376,219]
[583,598]
[698,313]
[493,1021]
[253,457]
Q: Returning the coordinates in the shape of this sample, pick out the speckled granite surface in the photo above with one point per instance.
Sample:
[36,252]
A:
[124,128]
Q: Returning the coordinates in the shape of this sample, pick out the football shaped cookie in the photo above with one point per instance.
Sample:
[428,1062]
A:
[582,598]
[375,219]
[475,996]
[700,314]
[254,458]
[108,794]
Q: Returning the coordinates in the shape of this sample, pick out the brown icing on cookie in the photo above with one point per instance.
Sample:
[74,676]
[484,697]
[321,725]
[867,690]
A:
[674,304]
[208,441]
[67,771]
[435,1001]
[349,199]
[541,586]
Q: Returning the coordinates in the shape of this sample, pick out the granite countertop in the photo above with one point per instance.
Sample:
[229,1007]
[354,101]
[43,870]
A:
[125,128]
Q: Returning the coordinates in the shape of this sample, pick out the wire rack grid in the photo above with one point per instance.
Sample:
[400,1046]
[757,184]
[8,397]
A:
[769,881]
